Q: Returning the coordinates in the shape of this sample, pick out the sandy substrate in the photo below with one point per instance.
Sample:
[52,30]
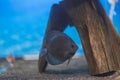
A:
[77,69]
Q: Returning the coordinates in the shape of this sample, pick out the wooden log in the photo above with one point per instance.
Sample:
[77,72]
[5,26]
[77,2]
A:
[99,38]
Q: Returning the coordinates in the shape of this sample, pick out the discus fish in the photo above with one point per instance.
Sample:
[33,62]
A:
[59,48]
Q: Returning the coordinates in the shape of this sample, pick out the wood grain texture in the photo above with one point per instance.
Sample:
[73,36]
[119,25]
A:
[100,40]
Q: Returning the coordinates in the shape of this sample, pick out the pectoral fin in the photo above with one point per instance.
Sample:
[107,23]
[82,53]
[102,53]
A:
[69,61]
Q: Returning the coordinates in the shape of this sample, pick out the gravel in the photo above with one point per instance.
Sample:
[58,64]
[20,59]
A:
[77,69]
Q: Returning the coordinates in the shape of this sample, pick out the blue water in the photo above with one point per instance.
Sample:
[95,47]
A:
[23,24]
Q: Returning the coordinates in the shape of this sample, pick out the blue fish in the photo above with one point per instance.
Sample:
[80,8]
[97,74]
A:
[59,48]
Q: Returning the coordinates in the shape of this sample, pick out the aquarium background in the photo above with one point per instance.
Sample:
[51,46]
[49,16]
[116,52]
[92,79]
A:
[23,24]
